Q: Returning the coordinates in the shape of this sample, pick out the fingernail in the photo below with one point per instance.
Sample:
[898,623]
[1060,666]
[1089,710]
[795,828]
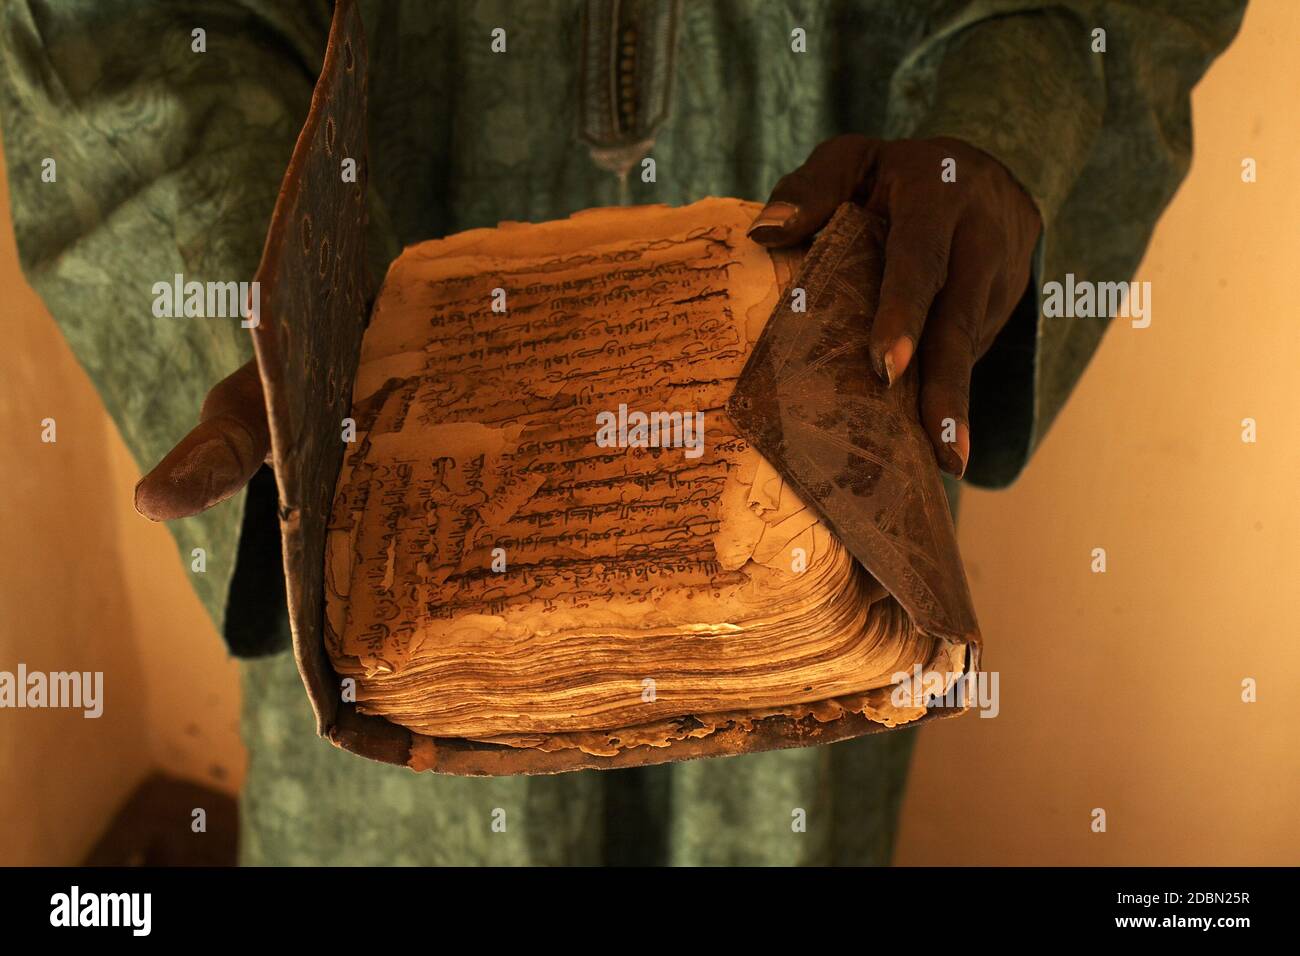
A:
[775,215]
[896,358]
[144,501]
[959,452]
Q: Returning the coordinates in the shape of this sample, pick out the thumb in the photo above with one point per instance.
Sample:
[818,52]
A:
[804,200]
[216,458]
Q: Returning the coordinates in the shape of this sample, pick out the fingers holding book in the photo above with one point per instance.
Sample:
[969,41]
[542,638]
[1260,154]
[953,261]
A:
[957,258]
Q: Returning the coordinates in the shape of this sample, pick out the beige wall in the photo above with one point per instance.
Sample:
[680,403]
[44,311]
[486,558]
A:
[1119,691]
[86,584]
[1123,690]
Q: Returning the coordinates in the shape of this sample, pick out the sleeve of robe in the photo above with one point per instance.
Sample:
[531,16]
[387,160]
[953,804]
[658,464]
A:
[1100,140]
[167,161]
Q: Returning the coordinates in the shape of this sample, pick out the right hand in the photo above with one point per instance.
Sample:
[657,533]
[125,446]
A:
[218,456]
[957,259]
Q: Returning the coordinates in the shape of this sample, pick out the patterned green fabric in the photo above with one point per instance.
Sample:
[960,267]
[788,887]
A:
[168,162]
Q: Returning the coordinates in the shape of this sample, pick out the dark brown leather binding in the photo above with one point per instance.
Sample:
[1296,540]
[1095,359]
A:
[308,339]
[308,345]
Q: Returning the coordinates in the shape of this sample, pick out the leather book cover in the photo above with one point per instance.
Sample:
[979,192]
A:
[807,400]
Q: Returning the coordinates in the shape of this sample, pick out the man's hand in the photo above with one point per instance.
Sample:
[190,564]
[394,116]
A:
[217,457]
[957,258]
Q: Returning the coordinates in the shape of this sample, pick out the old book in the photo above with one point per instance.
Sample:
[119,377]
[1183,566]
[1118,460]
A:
[548,527]
[591,493]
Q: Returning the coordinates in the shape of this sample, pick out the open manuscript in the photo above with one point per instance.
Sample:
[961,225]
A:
[548,533]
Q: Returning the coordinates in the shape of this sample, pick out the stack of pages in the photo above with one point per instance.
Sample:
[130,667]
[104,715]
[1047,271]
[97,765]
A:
[547,529]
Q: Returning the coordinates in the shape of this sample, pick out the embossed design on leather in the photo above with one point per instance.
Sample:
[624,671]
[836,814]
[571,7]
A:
[809,401]
[308,340]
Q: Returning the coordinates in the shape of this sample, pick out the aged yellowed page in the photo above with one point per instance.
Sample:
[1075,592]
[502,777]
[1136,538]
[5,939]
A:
[548,525]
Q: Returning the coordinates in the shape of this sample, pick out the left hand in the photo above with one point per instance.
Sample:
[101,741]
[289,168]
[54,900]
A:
[957,258]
